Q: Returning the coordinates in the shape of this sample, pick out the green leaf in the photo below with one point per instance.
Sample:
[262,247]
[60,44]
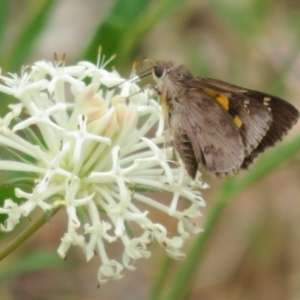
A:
[30,33]
[3,19]
[7,192]
[127,24]
[110,33]
[244,17]
[17,182]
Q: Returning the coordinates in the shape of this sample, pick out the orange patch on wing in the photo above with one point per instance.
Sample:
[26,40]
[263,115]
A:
[238,122]
[219,97]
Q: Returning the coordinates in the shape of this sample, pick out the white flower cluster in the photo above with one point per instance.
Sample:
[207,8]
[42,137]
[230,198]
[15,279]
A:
[95,151]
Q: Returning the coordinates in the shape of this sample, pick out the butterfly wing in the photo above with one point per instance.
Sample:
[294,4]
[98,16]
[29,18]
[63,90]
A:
[284,116]
[200,123]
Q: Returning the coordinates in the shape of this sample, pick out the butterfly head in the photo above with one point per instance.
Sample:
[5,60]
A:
[166,74]
[161,70]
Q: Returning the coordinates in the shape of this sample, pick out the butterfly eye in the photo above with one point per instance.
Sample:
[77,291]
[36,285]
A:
[159,71]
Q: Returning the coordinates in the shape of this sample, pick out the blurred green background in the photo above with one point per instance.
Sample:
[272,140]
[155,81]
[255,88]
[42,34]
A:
[251,245]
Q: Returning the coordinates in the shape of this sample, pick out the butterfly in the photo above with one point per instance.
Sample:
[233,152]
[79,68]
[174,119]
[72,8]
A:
[216,125]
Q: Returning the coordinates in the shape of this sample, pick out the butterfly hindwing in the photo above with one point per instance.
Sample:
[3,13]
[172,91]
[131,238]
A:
[210,130]
[284,117]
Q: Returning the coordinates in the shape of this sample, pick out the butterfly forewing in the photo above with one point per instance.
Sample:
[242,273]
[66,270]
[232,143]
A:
[253,117]
[212,134]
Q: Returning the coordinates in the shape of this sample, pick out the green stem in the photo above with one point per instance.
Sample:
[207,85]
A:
[24,235]
[160,281]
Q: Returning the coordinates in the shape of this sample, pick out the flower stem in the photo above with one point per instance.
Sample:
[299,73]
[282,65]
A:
[24,235]
[160,281]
